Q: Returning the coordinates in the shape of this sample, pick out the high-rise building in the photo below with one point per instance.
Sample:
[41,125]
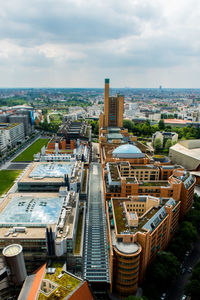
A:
[113,109]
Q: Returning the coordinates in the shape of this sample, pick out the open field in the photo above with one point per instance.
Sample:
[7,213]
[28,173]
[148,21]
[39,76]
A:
[7,178]
[27,155]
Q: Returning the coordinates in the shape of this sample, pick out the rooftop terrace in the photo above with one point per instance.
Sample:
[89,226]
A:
[65,283]
[152,216]
[154,183]
[144,167]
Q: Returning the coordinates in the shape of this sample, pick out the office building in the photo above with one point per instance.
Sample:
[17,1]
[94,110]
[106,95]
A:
[73,130]
[50,176]
[138,227]
[45,225]
[3,141]
[12,133]
[24,119]
[113,109]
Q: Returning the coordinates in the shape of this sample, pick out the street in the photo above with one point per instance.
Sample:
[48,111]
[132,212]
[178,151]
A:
[177,290]
[9,165]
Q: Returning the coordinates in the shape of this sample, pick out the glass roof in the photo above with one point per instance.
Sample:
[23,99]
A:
[127,148]
[52,170]
[30,210]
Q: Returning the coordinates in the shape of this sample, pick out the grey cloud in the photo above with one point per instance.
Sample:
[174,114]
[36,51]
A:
[157,51]
[47,21]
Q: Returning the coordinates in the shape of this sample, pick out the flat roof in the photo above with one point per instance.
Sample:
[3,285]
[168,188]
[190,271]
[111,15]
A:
[51,170]
[127,248]
[7,126]
[38,167]
[32,209]
[177,121]
[12,250]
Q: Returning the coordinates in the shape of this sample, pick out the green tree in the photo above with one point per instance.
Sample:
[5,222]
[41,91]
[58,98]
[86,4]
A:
[188,232]
[157,144]
[128,124]
[165,268]
[193,287]
[168,144]
[161,124]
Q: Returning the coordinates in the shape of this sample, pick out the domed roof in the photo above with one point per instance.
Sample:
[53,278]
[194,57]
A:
[127,151]
[127,148]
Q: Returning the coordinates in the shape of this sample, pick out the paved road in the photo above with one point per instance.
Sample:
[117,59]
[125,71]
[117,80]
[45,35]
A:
[177,290]
[8,164]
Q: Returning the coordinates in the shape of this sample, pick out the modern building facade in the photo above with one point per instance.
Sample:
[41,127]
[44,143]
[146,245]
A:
[50,176]
[25,120]
[45,225]
[11,133]
[113,109]
[138,227]
[186,153]
[3,141]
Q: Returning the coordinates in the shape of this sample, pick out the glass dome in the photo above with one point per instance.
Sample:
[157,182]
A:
[127,150]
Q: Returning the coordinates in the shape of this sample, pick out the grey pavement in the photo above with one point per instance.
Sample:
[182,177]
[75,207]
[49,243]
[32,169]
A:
[17,166]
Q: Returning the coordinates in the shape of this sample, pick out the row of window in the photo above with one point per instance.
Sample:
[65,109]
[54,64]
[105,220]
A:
[131,269]
[135,205]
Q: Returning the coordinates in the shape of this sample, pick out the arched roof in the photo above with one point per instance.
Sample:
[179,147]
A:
[127,150]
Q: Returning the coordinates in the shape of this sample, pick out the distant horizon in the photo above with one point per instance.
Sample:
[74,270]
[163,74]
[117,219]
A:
[102,88]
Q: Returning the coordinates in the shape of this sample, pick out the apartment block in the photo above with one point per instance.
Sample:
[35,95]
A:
[13,133]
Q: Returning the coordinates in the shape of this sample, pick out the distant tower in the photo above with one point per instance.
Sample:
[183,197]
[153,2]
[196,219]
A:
[15,261]
[113,109]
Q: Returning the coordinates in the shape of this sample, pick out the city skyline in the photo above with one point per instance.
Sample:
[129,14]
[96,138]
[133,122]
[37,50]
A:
[77,43]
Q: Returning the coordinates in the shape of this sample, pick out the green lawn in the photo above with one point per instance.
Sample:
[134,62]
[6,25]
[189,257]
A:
[7,178]
[27,155]
[79,235]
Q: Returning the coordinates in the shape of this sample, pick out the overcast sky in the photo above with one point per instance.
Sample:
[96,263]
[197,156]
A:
[78,43]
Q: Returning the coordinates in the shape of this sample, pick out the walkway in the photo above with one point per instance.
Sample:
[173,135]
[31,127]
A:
[96,268]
